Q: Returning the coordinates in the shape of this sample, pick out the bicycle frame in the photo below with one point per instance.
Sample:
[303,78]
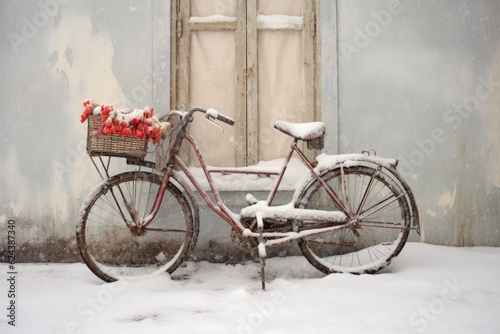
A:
[218,206]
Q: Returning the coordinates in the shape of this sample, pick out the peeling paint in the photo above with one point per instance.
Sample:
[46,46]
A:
[88,60]
[69,56]
[431,213]
[15,183]
[87,68]
[447,199]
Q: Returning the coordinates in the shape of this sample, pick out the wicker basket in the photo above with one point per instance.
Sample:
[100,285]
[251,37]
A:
[113,145]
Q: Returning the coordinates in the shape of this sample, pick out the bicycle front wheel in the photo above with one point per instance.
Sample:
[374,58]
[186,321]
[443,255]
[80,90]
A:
[381,215]
[112,241]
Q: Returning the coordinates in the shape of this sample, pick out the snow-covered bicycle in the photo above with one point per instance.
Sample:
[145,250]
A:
[351,213]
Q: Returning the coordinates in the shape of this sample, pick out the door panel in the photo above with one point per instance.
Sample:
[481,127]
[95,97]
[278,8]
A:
[283,7]
[212,85]
[279,88]
[208,8]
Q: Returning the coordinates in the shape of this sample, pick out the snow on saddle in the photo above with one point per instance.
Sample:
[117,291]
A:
[303,131]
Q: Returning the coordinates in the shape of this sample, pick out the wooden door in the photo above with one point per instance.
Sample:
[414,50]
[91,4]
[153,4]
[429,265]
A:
[251,60]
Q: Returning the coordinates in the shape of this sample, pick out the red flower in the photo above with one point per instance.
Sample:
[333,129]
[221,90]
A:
[148,112]
[139,134]
[126,132]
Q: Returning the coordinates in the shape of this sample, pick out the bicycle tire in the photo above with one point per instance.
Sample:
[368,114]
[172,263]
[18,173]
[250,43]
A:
[112,250]
[383,221]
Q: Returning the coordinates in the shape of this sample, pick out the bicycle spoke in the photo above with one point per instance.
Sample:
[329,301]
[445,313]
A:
[111,206]
[165,230]
[382,224]
[364,214]
[344,190]
[365,194]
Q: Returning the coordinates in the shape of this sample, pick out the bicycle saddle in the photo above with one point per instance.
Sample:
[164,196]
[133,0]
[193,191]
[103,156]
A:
[303,131]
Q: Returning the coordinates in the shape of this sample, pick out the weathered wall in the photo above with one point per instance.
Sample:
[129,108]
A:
[55,54]
[419,80]
[416,80]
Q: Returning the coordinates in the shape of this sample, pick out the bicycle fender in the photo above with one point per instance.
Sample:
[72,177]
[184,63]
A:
[325,161]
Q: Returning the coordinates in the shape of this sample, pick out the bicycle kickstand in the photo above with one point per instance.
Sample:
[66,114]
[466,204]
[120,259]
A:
[262,249]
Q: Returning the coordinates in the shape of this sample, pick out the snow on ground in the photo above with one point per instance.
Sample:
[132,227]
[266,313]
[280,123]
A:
[427,289]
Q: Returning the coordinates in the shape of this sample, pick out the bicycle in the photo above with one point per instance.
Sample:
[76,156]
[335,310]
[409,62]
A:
[351,213]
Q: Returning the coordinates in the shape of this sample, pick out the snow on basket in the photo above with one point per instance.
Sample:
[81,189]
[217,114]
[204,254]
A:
[120,132]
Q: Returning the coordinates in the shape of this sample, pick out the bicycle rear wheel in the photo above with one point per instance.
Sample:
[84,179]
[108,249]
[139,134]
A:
[114,245]
[382,221]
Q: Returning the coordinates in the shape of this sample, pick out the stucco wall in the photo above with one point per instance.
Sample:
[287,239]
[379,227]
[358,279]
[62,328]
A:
[54,55]
[417,80]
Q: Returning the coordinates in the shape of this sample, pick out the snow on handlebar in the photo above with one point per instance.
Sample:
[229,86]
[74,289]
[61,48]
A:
[212,113]
[215,114]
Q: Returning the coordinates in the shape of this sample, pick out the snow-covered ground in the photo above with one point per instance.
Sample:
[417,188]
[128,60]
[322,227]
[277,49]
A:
[427,289]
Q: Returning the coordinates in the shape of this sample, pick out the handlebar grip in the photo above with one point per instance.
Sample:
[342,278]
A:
[225,119]
[215,114]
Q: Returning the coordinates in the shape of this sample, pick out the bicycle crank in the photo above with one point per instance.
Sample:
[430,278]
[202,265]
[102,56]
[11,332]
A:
[243,243]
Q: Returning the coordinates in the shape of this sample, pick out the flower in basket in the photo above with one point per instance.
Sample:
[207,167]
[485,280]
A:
[89,106]
[138,123]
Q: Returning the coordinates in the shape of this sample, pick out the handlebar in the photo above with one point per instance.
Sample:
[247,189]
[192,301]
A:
[209,114]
